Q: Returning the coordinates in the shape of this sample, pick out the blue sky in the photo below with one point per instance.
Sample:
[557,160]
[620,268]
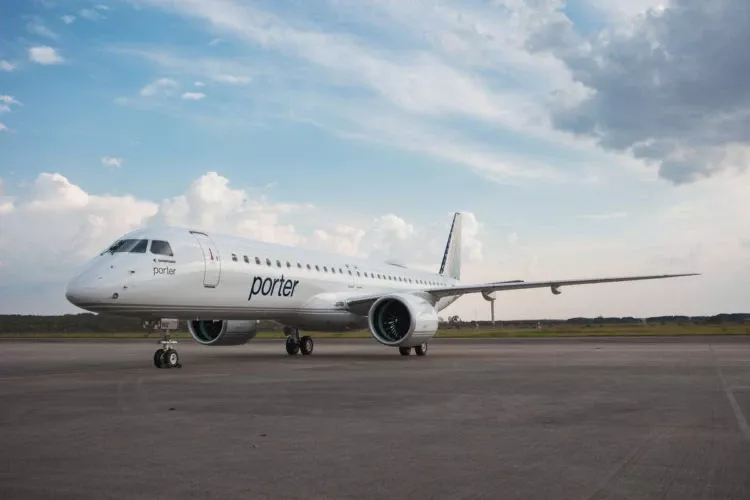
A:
[363,109]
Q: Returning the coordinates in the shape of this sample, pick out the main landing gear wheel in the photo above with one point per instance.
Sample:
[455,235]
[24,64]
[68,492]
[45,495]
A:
[295,344]
[306,345]
[420,350]
[292,346]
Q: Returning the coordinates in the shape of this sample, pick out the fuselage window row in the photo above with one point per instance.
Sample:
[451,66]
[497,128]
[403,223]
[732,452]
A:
[163,248]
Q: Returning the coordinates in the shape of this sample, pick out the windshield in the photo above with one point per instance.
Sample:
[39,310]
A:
[129,245]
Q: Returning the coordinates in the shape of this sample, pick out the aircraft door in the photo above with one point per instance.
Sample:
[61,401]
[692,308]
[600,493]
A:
[211,261]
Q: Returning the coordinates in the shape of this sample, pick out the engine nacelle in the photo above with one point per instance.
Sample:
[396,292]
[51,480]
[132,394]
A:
[402,320]
[223,332]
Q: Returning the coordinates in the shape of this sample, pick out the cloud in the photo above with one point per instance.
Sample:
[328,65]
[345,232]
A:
[228,71]
[58,225]
[37,27]
[669,88]
[193,96]
[6,66]
[8,99]
[110,161]
[199,84]
[162,85]
[68,19]
[3,128]
[90,14]
[4,108]
[44,55]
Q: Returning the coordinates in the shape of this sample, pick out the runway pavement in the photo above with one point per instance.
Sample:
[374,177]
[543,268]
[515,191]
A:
[524,419]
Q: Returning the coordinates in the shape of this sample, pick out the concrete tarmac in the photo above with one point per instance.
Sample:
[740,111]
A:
[491,419]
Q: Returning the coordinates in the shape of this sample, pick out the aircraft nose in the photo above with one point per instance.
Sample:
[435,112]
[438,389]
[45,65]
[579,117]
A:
[81,293]
[75,292]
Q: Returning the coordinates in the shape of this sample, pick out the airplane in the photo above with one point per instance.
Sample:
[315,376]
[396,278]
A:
[223,286]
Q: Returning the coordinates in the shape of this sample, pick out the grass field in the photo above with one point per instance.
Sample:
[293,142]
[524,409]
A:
[546,331]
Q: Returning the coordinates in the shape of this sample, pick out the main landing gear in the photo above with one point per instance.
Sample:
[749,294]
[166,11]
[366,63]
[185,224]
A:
[421,350]
[295,344]
[167,356]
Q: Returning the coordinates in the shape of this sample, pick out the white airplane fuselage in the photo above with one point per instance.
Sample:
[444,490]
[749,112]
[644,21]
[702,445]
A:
[219,277]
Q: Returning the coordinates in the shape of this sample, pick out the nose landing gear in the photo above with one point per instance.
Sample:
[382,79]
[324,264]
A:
[167,356]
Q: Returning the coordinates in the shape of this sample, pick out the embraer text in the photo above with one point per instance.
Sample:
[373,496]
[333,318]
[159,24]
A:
[268,286]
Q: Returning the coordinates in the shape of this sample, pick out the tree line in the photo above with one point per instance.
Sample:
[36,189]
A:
[93,323]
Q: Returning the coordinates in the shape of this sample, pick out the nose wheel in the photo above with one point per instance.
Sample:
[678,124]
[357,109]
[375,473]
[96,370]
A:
[167,356]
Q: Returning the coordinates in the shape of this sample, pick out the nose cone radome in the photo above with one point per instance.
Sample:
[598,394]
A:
[82,294]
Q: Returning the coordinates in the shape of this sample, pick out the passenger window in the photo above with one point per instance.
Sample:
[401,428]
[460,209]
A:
[309,268]
[317,268]
[246,259]
[278,263]
[299,265]
[350,272]
[325,269]
[358,274]
[257,260]
[160,247]
[234,257]
[288,264]
[268,261]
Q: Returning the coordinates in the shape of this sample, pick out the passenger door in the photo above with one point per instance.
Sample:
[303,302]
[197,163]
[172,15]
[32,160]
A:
[211,261]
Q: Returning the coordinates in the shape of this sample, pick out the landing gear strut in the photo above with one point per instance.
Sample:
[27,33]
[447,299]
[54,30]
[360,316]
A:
[420,350]
[295,344]
[167,356]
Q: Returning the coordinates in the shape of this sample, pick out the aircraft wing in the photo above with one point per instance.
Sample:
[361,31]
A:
[359,303]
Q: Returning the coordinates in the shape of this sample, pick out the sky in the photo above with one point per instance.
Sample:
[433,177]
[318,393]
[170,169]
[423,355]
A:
[586,138]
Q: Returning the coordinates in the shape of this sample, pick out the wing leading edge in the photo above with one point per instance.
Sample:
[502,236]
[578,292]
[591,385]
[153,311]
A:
[357,303]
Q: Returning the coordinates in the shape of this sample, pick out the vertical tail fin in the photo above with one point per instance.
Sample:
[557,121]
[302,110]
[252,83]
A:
[451,265]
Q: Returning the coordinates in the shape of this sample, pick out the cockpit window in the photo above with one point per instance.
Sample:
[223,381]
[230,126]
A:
[160,247]
[133,246]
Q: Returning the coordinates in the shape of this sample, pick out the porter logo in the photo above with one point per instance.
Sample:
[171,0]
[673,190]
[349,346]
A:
[270,286]
[164,270]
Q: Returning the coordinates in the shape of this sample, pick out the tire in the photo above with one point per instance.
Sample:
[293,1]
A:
[306,345]
[421,350]
[292,347]
[171,358]
[158,356]
[404,351]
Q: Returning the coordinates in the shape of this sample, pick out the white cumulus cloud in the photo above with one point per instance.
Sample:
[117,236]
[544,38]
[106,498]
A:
[68,19]
[193,96]
[44,55]
[6,65]
[165,85]
[112,161]
[3,128]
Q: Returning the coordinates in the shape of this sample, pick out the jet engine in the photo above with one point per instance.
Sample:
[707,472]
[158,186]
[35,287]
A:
[402,320]
[223,332]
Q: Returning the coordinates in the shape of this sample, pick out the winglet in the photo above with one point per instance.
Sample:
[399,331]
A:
[451,265]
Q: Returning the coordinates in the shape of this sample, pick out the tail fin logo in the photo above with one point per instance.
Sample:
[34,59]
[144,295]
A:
[451,265]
